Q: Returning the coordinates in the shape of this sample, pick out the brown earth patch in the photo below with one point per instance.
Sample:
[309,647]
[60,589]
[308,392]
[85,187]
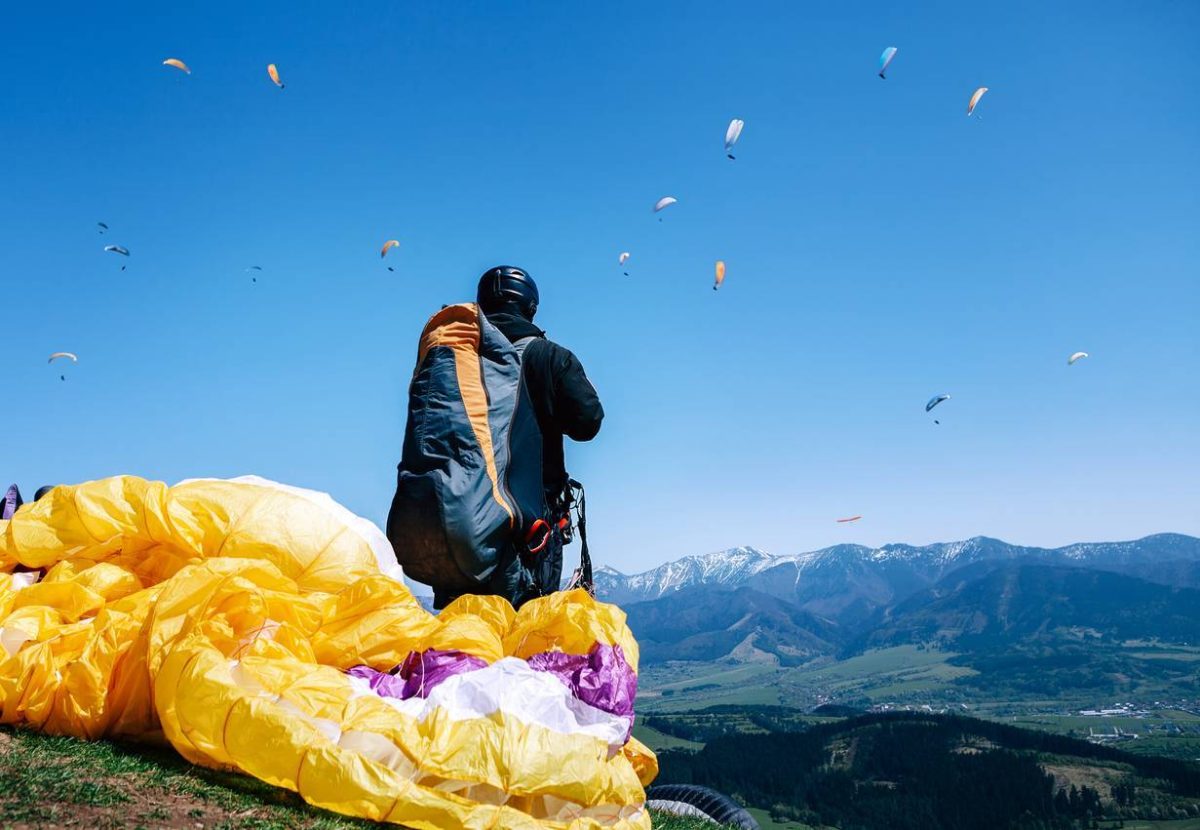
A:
[1098,778]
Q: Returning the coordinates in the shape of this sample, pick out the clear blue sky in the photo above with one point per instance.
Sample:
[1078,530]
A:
[881,247]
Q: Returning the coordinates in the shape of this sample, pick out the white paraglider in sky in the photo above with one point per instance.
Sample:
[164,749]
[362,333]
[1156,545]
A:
[1077,356]
[732,134]
[664,202]
[63,355]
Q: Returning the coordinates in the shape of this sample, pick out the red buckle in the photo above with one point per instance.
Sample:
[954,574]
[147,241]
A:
[541,525]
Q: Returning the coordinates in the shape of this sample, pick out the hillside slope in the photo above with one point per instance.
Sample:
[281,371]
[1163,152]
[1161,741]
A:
[928,772]
[981,608]
[707,623]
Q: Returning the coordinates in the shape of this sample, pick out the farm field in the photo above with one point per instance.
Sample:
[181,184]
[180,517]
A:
[897,673]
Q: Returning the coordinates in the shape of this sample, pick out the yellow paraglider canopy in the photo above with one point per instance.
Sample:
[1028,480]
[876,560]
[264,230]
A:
[254,626]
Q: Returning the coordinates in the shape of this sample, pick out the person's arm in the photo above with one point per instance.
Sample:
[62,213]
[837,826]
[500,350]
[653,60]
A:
[577,408]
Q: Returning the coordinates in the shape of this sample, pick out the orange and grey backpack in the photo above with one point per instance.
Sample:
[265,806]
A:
[469,491]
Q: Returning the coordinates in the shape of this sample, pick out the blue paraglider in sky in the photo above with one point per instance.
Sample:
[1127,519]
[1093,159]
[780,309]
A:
[935,400]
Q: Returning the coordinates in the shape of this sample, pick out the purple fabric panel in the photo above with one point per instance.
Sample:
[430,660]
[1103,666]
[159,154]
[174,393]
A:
[419,674]
[383,684]
[602,678]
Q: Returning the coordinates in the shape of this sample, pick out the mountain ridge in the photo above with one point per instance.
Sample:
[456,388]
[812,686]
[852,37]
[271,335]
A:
[848,582]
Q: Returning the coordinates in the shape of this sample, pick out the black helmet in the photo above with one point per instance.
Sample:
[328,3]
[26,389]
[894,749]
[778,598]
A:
[505,285]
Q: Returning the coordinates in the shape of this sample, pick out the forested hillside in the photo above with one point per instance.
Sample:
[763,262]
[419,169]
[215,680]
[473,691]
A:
[904,771]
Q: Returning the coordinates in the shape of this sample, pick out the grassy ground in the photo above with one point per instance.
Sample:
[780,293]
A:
[767,823]
[1166,733]
[685,686]
[884,673]
[49,781]
[62,782]
[660,740]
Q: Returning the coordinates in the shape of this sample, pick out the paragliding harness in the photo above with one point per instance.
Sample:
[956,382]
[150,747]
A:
[469,484]
[572,498]
[469,499]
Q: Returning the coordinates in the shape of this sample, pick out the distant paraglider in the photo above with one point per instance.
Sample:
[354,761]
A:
[254,268]
[732,133]
[975,99]
[387,246]
[274,73]
[935,400]
[848,519]
[103,227]
[719,274]
[1077,356]
[622,259]
[63,355]
[664,202]
[885,60]
[117,249]
[178,64]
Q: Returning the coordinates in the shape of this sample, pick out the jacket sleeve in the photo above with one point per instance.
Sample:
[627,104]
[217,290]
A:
[577,408]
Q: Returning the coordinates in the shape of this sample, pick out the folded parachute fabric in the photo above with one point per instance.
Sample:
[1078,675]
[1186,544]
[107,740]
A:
[255,627]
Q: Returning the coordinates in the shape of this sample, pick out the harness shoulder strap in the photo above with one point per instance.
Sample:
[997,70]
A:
[524,343]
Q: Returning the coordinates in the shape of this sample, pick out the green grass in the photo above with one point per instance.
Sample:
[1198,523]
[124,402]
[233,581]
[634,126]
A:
[72,783]
[1181,747]
[1153,738]
[687,686]
[662,821]
[660,740]
[891,674]
[767,823]
[885,671]
[64,782]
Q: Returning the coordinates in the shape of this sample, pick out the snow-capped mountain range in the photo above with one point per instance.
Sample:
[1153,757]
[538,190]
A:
[846,583]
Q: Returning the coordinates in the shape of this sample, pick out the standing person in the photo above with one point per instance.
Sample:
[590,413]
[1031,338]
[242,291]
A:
[483,497]
[564,400]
